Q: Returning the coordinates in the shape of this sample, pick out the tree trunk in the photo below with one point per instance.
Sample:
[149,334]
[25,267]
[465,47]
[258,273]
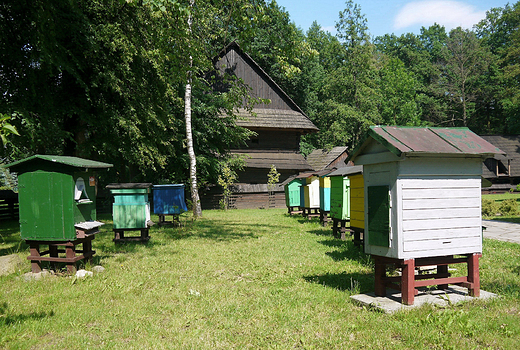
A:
[197,211]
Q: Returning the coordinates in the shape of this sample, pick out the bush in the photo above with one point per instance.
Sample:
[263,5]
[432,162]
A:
[489,207]
[508,207]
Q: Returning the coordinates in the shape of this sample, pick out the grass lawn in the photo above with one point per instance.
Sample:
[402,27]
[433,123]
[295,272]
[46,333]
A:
[243,279]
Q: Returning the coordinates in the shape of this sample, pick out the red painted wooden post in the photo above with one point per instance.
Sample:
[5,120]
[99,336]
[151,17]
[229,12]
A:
[34,250]
[380,274]
[70,253]
[408,282]
[473,275]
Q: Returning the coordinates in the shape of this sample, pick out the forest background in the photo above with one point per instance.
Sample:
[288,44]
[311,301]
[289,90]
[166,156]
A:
[105,80]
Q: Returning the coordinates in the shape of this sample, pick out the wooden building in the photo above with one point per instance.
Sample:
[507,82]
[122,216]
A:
[503,171]
[422,203]
[278,126]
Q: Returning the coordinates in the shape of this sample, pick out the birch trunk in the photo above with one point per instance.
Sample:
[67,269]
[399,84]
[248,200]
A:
[197,211]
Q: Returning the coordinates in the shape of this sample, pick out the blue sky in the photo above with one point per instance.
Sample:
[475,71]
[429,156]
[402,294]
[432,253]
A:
[392,16]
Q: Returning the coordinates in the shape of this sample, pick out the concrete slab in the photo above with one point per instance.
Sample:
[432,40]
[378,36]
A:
[392,302]
[503,231]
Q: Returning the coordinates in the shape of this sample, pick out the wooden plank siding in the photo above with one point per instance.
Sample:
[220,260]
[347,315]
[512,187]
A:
[253,76]
[439,214]
[8,205]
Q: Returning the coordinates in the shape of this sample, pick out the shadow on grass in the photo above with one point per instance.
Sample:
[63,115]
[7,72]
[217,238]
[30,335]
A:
[353,282]
[515,220]
[219,230]
[8,319]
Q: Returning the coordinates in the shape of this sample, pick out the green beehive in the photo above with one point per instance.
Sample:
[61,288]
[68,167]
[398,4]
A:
[292,192]
[340,197]
[340,191]
[131,208]
[57,195]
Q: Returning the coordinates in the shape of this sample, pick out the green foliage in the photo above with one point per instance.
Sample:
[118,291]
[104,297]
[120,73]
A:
[499,206]
[508,207]
[489,207]
[272,178]
[227,177]
[6,128]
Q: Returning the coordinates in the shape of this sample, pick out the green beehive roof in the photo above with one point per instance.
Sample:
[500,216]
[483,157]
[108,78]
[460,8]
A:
[31,163]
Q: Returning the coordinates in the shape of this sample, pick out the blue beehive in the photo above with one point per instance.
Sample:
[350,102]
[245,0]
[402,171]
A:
[169,199]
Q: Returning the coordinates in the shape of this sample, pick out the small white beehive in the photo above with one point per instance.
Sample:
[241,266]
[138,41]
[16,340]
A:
[422,190]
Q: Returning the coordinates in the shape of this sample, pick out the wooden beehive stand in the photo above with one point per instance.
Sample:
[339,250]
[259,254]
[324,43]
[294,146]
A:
[84,237]
[176,221]
[324,217]
[408,282]
[119,235]
[339,228]
[310,213]
[294,210]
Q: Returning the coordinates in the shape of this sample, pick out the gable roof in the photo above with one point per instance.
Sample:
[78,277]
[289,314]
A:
[320,159]
[38,160]
[403,141]
[282,112]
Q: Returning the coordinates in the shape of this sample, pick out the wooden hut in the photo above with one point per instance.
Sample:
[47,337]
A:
[278,126]
[423,203]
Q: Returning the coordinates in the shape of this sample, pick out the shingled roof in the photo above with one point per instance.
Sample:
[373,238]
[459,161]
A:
[281,112]
[320,159]
[274,118]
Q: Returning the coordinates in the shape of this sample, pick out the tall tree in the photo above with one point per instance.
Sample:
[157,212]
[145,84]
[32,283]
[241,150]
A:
[197,211]
[464,62]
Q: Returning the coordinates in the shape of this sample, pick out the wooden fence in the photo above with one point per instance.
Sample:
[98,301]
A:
[8,205]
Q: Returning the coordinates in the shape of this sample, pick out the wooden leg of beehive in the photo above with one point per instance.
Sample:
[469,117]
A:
[53,253]
[343,230]
[408,282]
[34,250]
[87,250]
[380,275]
[473,275]
[70,253]
[442,271]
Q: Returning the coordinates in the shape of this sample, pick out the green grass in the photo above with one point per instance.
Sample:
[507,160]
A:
[243,279]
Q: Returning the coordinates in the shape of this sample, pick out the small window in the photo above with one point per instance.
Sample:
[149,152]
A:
[255,140]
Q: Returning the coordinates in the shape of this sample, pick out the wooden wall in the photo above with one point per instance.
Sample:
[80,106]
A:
[252,76]
[275,139]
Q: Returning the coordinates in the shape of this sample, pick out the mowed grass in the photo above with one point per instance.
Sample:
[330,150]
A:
[244,279]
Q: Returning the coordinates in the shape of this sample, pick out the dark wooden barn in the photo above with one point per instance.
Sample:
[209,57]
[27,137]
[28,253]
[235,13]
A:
[503,171]
[278,126]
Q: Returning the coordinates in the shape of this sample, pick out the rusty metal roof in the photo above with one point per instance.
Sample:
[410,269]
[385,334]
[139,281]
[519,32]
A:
[428,140]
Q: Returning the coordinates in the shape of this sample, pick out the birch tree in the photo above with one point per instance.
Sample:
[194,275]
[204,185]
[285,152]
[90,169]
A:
[197,211]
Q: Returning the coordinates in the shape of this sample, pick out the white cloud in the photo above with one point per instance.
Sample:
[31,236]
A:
[450,14]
